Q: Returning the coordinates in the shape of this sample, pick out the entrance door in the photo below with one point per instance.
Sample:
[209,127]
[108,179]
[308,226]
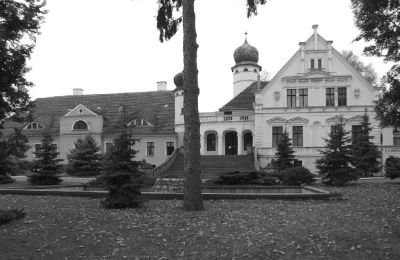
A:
[248,142]
[231,143]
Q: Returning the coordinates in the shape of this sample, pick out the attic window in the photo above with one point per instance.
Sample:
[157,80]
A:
[80,111]
[80,125]
[139,122]
[33,126]
[245,70]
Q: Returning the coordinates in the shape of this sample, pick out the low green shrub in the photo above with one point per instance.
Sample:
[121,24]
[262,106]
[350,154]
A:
[393,167]
[243,178]
[5,179]
[296,176]
[10,215]
[37,179]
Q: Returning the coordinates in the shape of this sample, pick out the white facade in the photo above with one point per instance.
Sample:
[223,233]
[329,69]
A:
[306,97]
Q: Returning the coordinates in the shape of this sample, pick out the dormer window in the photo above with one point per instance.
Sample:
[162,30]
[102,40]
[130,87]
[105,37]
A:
[33,126]
[139,122]
[80,125]
[246,70]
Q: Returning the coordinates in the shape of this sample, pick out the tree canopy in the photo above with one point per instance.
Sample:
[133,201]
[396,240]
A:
[367,71]
[19,24]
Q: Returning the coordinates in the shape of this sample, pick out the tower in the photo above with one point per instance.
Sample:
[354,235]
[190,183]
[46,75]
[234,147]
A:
[246,69]
[179,118]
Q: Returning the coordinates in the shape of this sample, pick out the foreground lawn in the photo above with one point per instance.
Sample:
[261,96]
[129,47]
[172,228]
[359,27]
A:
[365,224]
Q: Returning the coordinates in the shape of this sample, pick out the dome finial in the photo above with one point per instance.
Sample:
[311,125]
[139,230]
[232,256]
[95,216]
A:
[245,36]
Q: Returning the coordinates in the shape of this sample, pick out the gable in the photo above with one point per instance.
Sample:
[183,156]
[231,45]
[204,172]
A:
[80,110]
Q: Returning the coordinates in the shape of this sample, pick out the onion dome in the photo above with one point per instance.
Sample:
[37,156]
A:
[178,81]
[246,53]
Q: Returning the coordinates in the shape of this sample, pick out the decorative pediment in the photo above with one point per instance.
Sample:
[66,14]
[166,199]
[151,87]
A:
[334,119]
[298,120]
[277,120]
[81,110]
[356,118]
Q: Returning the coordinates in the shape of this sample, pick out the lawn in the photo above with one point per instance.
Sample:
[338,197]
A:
[364,224]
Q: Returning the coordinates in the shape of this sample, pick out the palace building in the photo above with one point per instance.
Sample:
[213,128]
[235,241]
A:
[306,98]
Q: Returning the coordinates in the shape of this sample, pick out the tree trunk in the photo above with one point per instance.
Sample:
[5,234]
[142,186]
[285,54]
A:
[192,197]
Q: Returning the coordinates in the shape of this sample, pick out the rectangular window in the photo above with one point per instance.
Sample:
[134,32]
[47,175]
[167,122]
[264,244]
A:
[303,97]
[150,148]
[356,134]
[298,163]
[170,147]
[297,136]
[37,149]
[312,65]
[211,142]
[182,111]
[291,98]
[277,132]
[330,97]
[396,138]
[319,63]
[342,97]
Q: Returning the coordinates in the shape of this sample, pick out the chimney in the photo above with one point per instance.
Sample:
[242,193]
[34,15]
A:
[77,92]
[161,85]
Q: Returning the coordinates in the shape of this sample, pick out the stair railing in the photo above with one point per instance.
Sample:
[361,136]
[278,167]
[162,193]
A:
[165,165]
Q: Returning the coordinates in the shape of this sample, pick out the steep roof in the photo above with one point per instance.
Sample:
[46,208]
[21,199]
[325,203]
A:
[156,107]
[245,99]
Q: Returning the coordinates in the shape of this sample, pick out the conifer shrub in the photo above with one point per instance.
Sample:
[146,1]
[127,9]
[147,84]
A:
[84,160]
[296,176]
[122,177]
[10,215]
[334,165]
[46,166]
[284,153]
[393,167]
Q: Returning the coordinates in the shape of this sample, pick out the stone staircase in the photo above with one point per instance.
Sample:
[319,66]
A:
[212,165]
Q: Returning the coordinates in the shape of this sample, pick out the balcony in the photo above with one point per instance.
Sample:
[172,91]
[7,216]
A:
[226,118]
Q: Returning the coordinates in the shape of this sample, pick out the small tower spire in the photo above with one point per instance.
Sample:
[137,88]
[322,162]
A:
[245,36]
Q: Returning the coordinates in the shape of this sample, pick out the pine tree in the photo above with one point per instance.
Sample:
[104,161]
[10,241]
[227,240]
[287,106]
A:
[84,159]
[284,153]
[46,167]
[335,162]
[121,174]
[364,153]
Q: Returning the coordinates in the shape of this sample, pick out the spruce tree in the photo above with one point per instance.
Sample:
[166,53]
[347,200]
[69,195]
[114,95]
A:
[121,175]
[46,167]
[5,165]
[334,165]
[284,153]
[364,152]
[84,159]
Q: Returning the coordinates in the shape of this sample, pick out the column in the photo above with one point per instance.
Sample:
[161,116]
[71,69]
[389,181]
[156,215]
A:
[240,143]
[220,144]
[202,144]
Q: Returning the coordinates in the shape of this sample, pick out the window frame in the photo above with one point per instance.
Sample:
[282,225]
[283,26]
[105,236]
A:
[356,136]
[150,148]
[298,136]
[342,96]
[211,143]
[80,120]
[312,64]
[276,135]
[330,97]
[290,97]
[166,147]
[303,97]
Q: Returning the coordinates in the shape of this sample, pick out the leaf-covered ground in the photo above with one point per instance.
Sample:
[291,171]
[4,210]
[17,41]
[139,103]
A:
[365,224]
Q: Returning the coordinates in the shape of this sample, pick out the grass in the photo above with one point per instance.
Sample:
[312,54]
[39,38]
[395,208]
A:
[365,224]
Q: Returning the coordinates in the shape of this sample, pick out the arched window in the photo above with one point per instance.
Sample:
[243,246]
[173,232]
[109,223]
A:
[33,126]
[245,70]
[80,125]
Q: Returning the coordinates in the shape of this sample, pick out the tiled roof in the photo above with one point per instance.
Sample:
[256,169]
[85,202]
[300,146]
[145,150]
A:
[245,99]
[156,107]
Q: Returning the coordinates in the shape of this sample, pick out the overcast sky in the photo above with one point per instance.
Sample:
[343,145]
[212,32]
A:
[112,46]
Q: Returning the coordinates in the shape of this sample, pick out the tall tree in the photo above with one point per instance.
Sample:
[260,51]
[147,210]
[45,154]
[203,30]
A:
[284,153]
[19,24]
[168,21]
[364,152]
[84,159]
[379,24]
[366,70]
[334,165]
[46,167]
[18,143]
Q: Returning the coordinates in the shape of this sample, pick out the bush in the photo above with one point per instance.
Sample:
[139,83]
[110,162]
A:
[393,167]
[10,215]
[5,179]
[296,176]
[244,178]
